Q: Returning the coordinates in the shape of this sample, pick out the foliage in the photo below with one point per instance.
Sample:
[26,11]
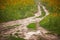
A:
[52,23]
[14,38]
[42,12]
[16,9]
[32,26]
[52,5]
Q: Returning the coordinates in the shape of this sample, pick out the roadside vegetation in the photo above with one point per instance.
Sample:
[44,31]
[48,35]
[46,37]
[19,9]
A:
[42,12]
[11,37]
[51,22]
[32,26]
[16,9]
[51,5]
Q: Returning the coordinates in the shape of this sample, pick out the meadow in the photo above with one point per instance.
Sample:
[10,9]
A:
[16,9]
[52,21]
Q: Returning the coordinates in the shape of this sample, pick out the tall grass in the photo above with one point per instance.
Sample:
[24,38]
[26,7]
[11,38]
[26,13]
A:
[16,9]
[51,22]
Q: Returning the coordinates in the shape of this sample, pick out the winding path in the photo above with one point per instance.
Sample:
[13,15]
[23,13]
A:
[24,22]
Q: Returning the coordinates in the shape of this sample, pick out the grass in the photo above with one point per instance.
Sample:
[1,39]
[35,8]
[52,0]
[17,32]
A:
[51,5]
[14,38]
[51,23]
[42,12]
[16,9]
[32,26]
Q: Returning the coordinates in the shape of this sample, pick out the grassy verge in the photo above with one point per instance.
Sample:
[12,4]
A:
[51,5]
[42,12]
[10,37]
[32,26]
[14,10]
[51,23]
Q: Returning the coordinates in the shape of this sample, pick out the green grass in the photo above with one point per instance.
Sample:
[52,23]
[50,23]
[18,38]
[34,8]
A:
[10,12]
[42,12]
[14,38]
[51,23]
[50,6]
[32,26]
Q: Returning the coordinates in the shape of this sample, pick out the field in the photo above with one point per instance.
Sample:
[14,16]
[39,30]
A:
[16,9]
[51,22]
[29,19]
[53,6]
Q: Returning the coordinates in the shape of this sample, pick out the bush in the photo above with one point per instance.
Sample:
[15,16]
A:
[32,26]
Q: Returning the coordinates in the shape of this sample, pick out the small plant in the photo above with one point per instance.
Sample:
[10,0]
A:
[32,26]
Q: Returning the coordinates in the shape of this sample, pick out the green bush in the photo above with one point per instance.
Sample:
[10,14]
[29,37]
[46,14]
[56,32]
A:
[32,26]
